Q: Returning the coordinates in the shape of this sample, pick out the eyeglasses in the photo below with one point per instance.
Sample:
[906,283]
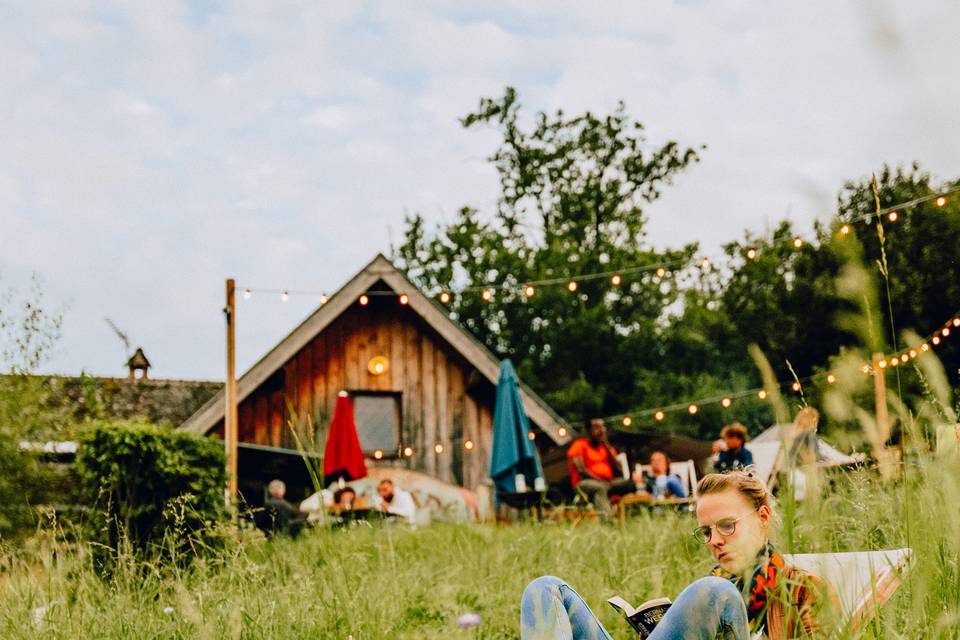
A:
[725,527]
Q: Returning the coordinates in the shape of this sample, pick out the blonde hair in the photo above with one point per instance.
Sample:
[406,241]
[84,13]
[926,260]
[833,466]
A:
[746,482]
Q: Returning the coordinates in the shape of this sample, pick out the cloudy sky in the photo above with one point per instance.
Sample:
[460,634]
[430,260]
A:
[149,150]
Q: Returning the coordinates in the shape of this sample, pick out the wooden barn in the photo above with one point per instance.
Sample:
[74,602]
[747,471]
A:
[416,379]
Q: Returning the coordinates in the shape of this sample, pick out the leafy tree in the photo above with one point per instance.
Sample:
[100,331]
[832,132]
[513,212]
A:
[572,196]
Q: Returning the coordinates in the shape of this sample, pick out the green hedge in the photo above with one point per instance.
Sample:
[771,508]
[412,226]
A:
[158,489]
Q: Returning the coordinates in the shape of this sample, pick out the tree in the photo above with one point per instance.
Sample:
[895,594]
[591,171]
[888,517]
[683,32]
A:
[572,192]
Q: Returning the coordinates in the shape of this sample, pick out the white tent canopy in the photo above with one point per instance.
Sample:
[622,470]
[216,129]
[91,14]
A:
[827,456]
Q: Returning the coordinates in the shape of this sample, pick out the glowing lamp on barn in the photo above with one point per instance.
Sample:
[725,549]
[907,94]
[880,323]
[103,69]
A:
[378,365]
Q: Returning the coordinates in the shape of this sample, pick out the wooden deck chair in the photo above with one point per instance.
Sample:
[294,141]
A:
[863,580]
[687,472]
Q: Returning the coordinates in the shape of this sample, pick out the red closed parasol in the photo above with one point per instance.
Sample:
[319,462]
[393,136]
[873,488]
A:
[343,457]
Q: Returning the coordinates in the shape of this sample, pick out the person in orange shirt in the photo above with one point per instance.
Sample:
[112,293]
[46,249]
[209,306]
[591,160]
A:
[591,461]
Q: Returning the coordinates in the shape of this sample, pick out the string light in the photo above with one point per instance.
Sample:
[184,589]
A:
[487,295]
[246,294]
[364,300]
[661,271]
[529,290]
[725,403]
[795,386]
[572,286]
[378,454]
[845,229]
[627,421]
[324,299]
[444,297]
[797,242]
[438,448]
[408,452]
[285,296]
[924,347]
[913,353]
[945,332]
[894,362]
[882,364]
[751,253]
[762,394]
[941,201]
[831,378]
[892,216]
[468,445]
[532,435]
[705,264]
[562,432]
[935,340]
[404,299]
[956,322]
[692,409]
[615,280]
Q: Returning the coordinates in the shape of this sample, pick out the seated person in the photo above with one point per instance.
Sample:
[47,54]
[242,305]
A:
[659,483]
[282,517]
[391,499]
[736,455]
[591,461]
[344,499]
[750,590]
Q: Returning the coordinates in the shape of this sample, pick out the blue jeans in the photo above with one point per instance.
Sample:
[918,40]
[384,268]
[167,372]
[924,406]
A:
[708,609]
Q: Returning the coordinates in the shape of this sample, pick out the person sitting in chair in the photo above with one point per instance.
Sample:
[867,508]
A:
[736,455]
[751,591]
[591,461]
[396,501]
[659,483]
[282,517]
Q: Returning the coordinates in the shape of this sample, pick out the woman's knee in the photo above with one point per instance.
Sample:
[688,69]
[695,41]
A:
[542,584]
[714,588]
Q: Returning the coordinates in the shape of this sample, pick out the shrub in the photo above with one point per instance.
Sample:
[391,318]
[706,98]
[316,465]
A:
[158,490]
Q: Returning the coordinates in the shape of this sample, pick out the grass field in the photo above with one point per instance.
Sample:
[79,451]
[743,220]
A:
[398,583]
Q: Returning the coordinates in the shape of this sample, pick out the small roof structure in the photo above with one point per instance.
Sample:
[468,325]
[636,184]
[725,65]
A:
[380,272]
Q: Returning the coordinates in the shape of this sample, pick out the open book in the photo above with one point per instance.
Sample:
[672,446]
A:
[645,617]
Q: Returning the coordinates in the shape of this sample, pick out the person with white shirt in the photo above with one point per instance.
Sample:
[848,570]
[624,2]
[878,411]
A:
[394,500]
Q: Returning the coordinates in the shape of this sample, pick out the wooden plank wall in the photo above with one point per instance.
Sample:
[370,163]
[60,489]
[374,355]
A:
[436,405]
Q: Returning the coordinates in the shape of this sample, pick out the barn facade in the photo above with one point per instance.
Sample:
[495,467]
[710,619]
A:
[422,388]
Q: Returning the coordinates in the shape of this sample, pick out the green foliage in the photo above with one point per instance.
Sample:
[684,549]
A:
[572,197]
[150,485]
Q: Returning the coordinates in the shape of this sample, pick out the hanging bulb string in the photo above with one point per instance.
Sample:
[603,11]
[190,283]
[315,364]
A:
[934,339]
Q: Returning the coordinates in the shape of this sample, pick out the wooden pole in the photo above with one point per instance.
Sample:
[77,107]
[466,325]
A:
[230,435]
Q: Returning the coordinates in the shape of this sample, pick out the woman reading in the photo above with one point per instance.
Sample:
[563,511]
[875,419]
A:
[751,591]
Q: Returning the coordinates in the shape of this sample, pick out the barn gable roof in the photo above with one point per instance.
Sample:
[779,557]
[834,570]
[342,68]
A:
[380,269]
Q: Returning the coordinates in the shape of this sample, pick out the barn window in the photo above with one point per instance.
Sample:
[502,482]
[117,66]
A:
[378,421]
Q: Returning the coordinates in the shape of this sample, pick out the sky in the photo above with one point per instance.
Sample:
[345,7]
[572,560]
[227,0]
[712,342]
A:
[150,150]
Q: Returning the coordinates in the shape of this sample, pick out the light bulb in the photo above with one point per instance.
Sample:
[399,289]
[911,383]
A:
[444,297]
[751,253]
[725,403]
[956,322]
[894,362]
[924,347]
[487,295]
[562,432]
[529,290]
[945,332]
[705,263]
[762,394]
[468,445]
[845,229]
[324,299]
[831,378]
[364,300]
[627,421]
[438,448]
[247,293]
[661,272]
[795,386]
[797,242]
[572,286]
[658,416]
[531,435]
[913,353]
[692,409]
[615,280]
[408,451]
[904,358]
[935,340]
[378,454]
[941,201]
[882,364]
[892,216]
[285,296]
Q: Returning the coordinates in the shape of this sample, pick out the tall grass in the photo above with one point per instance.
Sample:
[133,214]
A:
[400,583]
